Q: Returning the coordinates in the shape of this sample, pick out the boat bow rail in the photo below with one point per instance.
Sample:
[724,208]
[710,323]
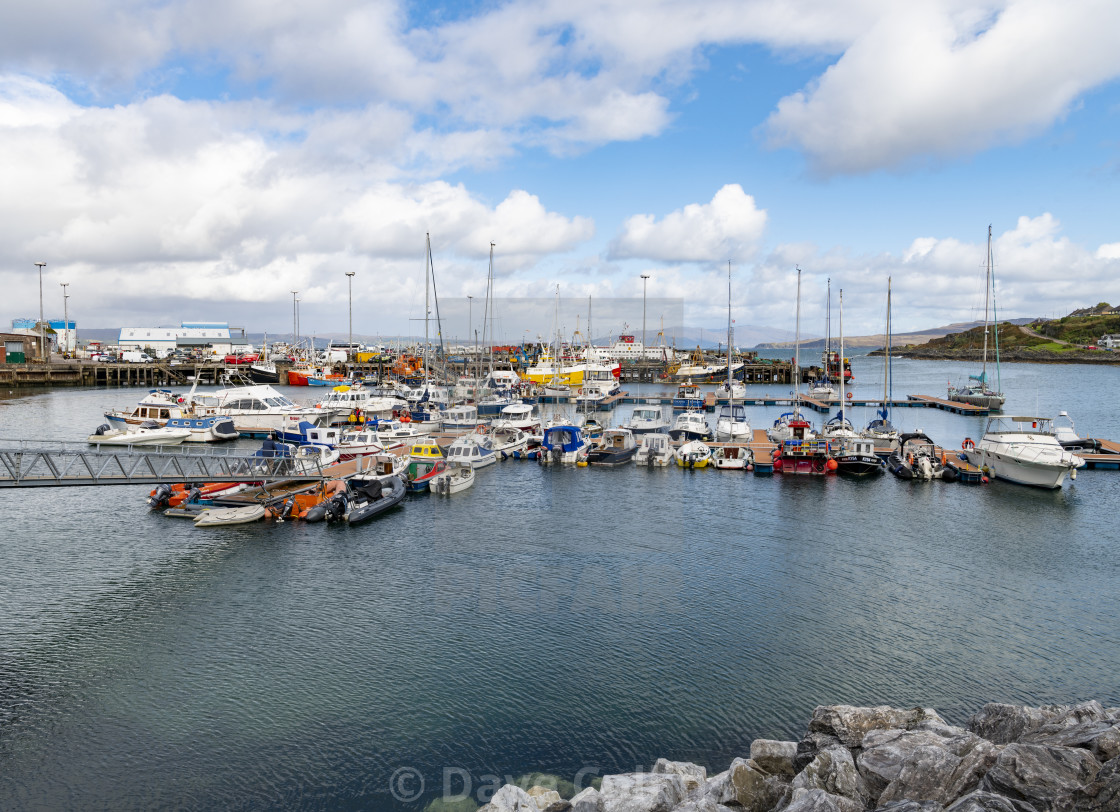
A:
[24,464]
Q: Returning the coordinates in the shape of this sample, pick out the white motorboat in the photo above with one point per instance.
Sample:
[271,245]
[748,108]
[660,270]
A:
[1070,440]
[350,443]
[504,441]
[393,432]
[471,448]
[691,426]
[1023,450]
[204,420]
[457,475]
[310,456]
[262,409]
[694,454]
[463,417]
[732,424]
[647,419]
[654,448]
[732,390]
[522,416]
[147,433]
[356,404]
[732,457]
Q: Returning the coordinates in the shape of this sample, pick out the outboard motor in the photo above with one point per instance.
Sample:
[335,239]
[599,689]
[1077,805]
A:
[194,495]
[925,469]
[160,497]
[102,429]
[336,508]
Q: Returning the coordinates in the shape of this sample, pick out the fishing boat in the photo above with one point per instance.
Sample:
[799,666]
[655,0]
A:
[857,457]
[691,426]
[451,476]
[313,455]
[977,392]
[616,448]
[147,433]
[263,369]
[732,458]
[689,397]
[215,517]
[654,449]
[393,432]
[422,458]
[473,449]
[804,456]
[563,444]
[917,458]
[1023,450]
[646,420]
[694,454]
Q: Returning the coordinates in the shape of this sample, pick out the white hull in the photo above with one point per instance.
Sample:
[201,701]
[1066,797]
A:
[1002,466]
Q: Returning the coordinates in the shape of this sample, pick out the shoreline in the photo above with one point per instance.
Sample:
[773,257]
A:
[1018,356]
[1008,758]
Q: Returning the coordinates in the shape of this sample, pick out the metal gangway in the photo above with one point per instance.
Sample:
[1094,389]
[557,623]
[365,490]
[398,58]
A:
[26,464]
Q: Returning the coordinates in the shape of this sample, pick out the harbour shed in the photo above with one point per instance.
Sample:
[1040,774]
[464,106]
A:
[210,337]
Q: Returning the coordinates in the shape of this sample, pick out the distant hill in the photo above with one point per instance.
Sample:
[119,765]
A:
[880,339]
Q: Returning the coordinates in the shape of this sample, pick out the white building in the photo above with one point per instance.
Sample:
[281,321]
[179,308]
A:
[210,338]
[1110,342]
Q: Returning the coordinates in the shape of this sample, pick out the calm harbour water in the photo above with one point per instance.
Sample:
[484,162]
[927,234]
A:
[547,619]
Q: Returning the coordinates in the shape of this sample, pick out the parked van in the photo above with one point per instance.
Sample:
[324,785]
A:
[135,357]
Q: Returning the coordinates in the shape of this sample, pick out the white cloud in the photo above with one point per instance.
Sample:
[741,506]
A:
[948,78]
[729,227]
[164,201]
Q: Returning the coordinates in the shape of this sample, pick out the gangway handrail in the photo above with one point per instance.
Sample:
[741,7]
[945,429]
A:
[23,465]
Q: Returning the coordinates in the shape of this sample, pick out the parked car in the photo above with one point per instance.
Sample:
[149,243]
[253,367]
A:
[245,358]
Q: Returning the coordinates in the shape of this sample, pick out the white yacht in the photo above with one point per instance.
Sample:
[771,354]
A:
[1023,450]
[262,409]
[204,421]
[654,448]
[356,403]
[691,426]
[647,419]
[472,449]
[524,416]
[732,425]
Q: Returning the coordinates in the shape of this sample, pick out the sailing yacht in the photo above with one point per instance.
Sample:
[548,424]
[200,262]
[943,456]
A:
[881,430]
[839,427]
[791,425]
[732,424]
[977,392]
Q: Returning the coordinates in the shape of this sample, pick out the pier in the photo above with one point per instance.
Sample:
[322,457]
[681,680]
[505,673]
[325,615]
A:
[89,373]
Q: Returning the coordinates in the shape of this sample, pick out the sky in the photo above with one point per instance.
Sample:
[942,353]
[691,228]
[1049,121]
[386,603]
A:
[198,161]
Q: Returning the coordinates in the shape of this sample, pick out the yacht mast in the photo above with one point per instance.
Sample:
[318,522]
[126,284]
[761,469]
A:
[427,278]
[730,389]
[828,336]
[987,306]
[887,362]
[797,353]
[490,308]
[842,396]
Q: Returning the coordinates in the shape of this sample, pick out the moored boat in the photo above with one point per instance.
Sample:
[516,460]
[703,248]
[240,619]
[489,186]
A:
[694,454]
[617,447]
[1023,450]
[147,433]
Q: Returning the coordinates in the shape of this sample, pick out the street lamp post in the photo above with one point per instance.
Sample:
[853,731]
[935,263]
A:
[42,333]
[470,308]
[350,340]
[295,324]
[65,316]
[645,278]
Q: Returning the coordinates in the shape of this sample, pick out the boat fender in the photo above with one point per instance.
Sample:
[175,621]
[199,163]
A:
[948,475]
[968,444]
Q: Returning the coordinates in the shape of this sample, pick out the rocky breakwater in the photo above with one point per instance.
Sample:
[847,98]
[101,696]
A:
[1008,759]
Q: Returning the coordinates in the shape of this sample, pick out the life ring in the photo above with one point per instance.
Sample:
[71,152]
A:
[968,444]
[849,396]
